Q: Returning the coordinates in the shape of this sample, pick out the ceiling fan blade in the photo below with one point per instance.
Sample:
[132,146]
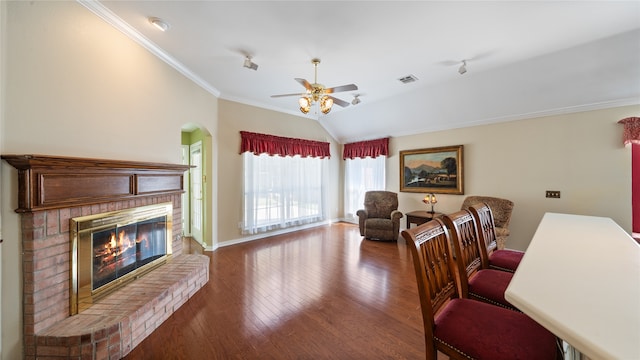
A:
[305,83]
[283,95]
[339,102]
[341,88]
[449,62]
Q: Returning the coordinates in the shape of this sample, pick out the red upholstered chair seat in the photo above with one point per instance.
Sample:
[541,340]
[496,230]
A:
[463,324]
[505,260]
[499,259]
[489,285]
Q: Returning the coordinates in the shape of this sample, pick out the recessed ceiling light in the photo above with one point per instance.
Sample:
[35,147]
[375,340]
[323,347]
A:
[159,23]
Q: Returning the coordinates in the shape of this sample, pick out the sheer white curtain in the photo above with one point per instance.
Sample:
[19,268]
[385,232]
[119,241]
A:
[280,192]
[361,175]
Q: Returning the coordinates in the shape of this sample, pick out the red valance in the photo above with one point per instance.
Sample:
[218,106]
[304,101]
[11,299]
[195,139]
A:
[363,149]
[283,146]
[631,133]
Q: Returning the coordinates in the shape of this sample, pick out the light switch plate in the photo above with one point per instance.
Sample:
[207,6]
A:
[553,194]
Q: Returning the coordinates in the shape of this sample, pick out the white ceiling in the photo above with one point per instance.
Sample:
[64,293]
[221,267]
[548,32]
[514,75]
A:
[525,58]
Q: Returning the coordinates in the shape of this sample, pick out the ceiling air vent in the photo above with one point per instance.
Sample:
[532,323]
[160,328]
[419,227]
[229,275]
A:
[408,79]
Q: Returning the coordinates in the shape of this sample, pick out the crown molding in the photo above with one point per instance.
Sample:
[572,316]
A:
[107,15]
[524,116]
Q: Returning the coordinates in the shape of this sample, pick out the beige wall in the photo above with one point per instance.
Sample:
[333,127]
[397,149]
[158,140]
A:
[76,86]
[80,87]
[580,154]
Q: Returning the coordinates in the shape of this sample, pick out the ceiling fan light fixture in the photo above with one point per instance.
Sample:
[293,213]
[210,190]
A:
[159,24]
[305,104]
[325,104]
[463,67]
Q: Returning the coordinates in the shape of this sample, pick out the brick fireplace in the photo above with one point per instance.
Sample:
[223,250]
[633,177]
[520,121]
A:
[51,192]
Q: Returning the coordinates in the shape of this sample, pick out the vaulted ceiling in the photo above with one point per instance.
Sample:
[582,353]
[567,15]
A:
[524,58]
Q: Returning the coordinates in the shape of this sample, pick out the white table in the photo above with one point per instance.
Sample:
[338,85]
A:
[580,279]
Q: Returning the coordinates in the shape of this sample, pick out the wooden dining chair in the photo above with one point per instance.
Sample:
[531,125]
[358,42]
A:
[501,208]
[475,280]
[463,328]
[499,259]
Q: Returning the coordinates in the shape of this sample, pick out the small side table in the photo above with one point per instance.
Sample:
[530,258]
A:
[420,217]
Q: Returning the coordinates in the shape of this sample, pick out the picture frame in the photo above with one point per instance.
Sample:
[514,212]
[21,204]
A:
[437,170]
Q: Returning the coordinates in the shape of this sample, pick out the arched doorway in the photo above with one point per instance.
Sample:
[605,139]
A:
[196,152]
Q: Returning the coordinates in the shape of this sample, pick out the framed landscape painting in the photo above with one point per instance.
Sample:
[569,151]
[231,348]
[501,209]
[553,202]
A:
[434,170]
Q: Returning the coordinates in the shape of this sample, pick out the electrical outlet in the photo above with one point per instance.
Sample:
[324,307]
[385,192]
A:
[553,194]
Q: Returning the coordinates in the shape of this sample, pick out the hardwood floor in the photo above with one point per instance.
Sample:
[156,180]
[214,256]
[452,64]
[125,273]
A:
[322,293]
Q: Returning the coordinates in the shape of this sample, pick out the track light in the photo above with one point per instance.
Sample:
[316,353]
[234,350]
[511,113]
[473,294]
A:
[250,64]
[159,23]
[356,99]
[463,67]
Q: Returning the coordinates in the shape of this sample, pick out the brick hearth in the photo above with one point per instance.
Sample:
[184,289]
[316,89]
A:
[116,324]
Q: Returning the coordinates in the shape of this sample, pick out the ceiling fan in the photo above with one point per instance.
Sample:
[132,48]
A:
[463,63]
[318,93]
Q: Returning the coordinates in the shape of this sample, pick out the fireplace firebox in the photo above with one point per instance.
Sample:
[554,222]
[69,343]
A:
[108,250]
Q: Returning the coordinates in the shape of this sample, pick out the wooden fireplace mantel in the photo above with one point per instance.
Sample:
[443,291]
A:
[53,182]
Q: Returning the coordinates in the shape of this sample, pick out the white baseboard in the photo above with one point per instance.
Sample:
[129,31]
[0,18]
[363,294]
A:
[271,233]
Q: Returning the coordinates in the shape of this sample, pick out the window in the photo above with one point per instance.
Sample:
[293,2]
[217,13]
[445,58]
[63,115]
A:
[361,175]
[281,192]
[364,171]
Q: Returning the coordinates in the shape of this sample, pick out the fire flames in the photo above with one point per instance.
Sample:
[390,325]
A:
[116,246]
[119,245]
